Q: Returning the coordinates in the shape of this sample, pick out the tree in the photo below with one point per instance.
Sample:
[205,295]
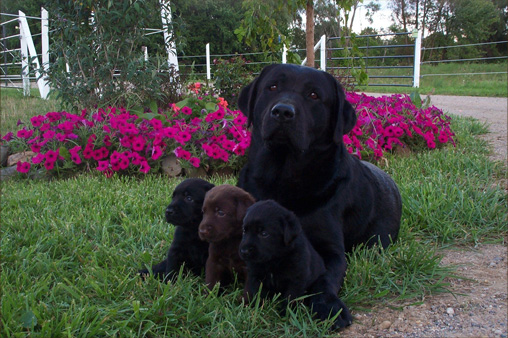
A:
[198,22]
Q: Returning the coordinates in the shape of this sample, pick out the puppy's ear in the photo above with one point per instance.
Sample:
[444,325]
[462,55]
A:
[247,98]
[291,228]
[346,114]
[243,203]
[209,186]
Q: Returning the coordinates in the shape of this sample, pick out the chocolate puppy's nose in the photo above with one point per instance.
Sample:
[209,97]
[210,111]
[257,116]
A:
[283,112]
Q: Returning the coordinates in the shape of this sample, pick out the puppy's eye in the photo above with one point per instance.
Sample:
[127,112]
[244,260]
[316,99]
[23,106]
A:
[221,213]
[264,234]
[313,96]
[273,88]
[188,198]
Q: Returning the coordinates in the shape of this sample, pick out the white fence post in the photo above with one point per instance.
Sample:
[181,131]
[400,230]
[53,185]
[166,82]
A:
[284,54]
[45,49]
[417,59]
[27,37]
[322,43]
[25,65]
[170,45]
[208,72]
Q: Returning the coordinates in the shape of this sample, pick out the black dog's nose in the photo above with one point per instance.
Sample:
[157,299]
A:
[245,251]
[283,112]
[170,211]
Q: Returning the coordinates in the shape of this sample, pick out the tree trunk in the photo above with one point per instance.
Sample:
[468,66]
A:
[309,40]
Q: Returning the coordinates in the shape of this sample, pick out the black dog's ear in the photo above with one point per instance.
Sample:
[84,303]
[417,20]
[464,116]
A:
[291,228]
[208,186]
[247,97]
[346,114]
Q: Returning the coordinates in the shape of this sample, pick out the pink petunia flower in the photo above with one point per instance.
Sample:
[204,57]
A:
[145,168]
[195,161]
[23,167]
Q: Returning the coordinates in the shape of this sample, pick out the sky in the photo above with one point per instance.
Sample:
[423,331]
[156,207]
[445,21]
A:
[382,18]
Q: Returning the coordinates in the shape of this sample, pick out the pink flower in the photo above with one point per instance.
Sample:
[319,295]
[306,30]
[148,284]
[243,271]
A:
[182,153]
[156,152]
[49,165]
[51,156]
[38,158]
[138,143]
[75,158]
[103,165]
[37,120]
[100,153]
[24,133]
[145,168]
[240,120]
[23,167]
[195,161]
[8,136]
[186,110]
[53,116]
[36,147]
[75,150]
[49,134]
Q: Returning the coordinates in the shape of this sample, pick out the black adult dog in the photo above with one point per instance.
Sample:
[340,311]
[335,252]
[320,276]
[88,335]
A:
[187,248]
[278,254]
[299,116]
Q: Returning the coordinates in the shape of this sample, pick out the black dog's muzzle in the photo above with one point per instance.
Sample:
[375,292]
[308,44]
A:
[283,112]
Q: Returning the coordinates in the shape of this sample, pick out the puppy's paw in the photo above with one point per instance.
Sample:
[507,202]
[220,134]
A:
[333,309]
[144,274]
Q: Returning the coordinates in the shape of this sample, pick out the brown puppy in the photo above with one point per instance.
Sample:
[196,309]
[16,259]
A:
[223,211]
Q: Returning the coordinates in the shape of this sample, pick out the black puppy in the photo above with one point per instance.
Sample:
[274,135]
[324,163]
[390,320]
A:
[185,213]
[297,158]
[278,254]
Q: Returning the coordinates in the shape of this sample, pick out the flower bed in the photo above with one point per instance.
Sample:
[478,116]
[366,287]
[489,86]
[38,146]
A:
[203,133]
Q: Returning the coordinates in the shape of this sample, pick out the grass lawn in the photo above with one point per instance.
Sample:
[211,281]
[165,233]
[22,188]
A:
[70,250]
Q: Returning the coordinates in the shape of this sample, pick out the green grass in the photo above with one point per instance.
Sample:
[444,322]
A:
[70,250]
[14,107]
[431,83]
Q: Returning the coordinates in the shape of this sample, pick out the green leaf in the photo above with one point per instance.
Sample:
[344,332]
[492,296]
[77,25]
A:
[416,99]
[153,107]
[64,153]
[183,103]
[210,106]
[28,319]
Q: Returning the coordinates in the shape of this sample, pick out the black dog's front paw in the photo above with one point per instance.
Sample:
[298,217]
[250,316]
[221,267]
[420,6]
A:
[330,309]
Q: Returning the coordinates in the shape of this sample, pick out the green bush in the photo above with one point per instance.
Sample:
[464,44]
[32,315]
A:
[230,77]
[101,44]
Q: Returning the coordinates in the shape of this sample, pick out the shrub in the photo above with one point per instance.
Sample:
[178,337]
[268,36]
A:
[101,44]
[230,77]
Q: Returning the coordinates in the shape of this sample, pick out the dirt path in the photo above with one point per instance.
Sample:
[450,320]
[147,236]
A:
[479,306]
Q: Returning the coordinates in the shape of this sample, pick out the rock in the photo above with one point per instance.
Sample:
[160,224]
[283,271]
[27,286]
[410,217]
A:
[450,311]
[385,325]
[196,172]
[20,157]
[7,173]
[4,154]
[170,166]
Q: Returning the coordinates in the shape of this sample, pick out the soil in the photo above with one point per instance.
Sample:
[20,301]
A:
[477,306]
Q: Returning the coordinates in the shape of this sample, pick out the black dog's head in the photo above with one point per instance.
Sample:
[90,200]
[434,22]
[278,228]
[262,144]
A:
[295,107]
[269,231]
[185,208]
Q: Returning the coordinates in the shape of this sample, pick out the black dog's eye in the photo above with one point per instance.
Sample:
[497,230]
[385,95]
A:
[273,88]
[313,96]
[264,234]
[188,198]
